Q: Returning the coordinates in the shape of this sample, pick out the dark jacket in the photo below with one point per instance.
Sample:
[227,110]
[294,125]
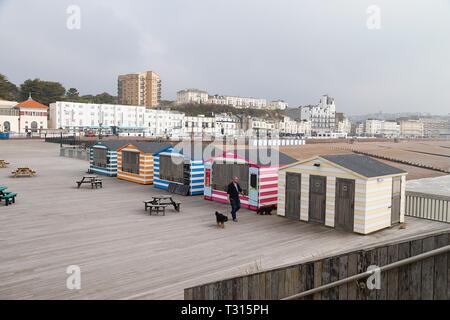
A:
[231,190]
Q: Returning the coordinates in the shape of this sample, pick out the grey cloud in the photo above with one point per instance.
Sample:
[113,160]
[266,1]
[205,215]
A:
[294,50]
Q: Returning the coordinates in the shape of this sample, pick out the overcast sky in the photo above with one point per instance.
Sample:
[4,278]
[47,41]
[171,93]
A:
[280,49]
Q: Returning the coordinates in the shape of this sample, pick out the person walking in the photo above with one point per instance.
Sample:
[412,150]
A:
[234,190]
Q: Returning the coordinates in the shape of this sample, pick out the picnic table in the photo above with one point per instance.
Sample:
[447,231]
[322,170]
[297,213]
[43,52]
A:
[158,204]
[24,171]
[9,197]
[94,181]
[3,163]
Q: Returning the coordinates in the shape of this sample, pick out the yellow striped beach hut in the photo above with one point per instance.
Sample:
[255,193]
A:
[350,192]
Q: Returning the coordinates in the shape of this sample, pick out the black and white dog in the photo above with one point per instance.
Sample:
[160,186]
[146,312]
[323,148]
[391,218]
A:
[221,219]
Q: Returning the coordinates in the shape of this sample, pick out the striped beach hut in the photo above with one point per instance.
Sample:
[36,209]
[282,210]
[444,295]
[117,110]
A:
[180,169]
[135,161]
[350,192]
[257,170]
[103,157]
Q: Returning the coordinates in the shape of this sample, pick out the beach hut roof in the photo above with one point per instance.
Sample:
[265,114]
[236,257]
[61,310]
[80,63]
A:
[151,147]
[112,144]
[259,156]
[363,165]
[196,150]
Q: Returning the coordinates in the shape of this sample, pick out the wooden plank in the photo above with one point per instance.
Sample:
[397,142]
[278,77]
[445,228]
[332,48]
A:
[244,288]
[317,279]
[269,283]
[237,288]
[253,288]
[404,273]
[296,279]
[416,271]
[281,283]
[188,294]
[309,280]
[272,285]
[352,270]
[326,277]
[392,275]
[427,283]
[262,285]
[361,292]
[343,271]
[441,271]
[302,277]
[372,260]
[334,276]
[382,261]
[289,282]
[212,292]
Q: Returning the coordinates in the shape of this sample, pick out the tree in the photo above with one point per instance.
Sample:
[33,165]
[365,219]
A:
[45,92]
[105,98]
[8,90]
[72,94]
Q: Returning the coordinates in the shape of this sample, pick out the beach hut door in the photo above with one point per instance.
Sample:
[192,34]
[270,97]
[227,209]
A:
[253,187]
[396,198]
[345,204]
[293,188]
[317,198]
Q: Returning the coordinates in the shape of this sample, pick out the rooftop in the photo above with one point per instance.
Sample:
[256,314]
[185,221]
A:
[363,165]
[150,147]
[30,103]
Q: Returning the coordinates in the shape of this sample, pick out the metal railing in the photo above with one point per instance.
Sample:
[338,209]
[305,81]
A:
[368,273]
[427,206]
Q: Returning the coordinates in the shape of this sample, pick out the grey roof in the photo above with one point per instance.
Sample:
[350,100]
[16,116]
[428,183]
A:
[195,150]
[263,155]
[112,144]
[151,147]
[363,165]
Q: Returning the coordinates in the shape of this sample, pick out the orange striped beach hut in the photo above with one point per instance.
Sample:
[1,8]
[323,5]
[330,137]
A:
[135,161]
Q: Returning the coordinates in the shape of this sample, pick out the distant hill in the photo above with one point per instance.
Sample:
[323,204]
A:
[194,109]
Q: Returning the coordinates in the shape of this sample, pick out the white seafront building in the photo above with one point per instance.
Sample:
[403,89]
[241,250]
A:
[374,127]
[138,120]
[322,116]
[76,117]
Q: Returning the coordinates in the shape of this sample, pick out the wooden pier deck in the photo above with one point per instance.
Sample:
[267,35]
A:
[127,254]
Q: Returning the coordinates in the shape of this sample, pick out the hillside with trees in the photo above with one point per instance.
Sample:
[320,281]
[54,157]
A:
[193,109]
[47,92]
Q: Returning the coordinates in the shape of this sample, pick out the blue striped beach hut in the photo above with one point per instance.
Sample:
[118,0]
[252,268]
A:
[180,169]
[103,157]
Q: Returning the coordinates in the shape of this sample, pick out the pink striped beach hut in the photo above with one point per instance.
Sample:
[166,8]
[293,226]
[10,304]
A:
[257,170]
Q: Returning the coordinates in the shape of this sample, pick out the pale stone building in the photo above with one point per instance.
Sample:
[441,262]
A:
[192,96]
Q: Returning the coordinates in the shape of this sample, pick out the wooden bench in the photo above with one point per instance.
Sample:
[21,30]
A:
[166,200]
[94,181]
[9,197]
[157,208]
[97,183]
[3,164]
[23,172]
